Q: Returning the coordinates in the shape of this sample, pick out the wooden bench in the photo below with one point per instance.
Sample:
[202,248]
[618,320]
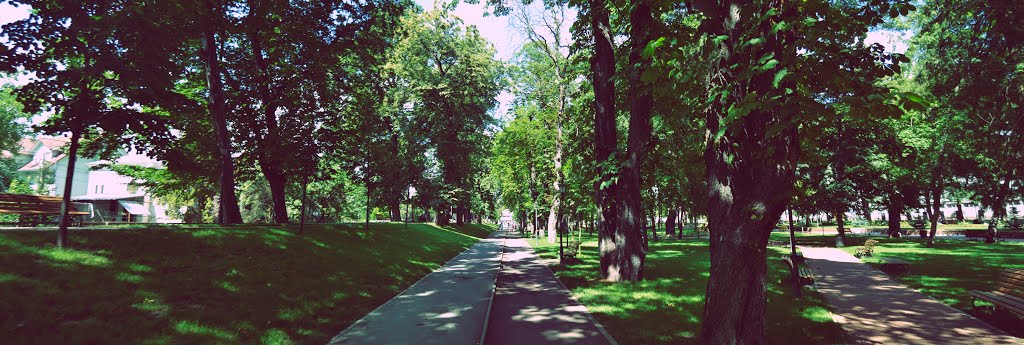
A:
[34,209]
[571,250]
[805,275]
[895,265]
[1009,292]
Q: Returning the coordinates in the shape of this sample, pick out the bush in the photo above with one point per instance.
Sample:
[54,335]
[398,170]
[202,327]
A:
[918,224]
[868,250]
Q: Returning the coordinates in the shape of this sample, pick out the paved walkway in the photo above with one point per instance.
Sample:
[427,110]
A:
[874,309]
[532,307]
[467,300]
[448,306]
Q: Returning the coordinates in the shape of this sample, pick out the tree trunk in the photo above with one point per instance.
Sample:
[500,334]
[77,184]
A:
[267,145]
[228,212]
[615,263]
[302,211]
[460,213]
[670,222]
[442,215]
[65,202]
[998,207]
[396,210]
[277,181]
[866,208]
[959,211]
[895,209]
[630,245]
[366,180]
[936,193]
[750,173]
[840,228]
[552,222]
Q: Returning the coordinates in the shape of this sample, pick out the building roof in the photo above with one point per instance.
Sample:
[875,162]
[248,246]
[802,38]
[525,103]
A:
[26,146]
[53,143]
[35,165]
[101,197]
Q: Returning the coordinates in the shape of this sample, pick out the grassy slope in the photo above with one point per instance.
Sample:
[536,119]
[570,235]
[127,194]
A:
[953,268]
[236,285]
[666,308]
[475,230]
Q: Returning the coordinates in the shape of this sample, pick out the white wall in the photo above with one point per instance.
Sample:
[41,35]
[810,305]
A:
[108,182]
[81,177]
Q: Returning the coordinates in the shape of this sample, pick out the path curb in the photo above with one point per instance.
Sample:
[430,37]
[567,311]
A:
[494,289]
[586,311]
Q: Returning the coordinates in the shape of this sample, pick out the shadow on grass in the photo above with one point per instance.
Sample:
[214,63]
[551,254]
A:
[475,230]
[209,284]
[952,268]
[666,308]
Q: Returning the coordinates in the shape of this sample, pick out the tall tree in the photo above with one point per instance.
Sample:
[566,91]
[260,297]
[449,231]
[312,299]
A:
[971,57]
[546,31]
[769,62]
[455,79]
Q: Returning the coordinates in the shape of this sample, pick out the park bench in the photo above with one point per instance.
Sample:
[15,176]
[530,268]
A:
[571,250]
[804,275]
[894,265]
[34,209]
[1009,293]
[778,243]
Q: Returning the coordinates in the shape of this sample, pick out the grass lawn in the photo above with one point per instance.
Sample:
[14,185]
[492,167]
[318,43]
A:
[210,284]
[666,308]
[475,230]
[951,269]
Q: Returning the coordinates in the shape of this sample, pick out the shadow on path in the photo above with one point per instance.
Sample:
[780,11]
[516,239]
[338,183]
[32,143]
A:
[531,307]
[448,306]
[874,309]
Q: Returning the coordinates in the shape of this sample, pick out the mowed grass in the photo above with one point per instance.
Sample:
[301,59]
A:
[475,230]
[951,269]
[666,308]
[210,284]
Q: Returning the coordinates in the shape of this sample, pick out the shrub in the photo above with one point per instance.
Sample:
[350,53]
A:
[868,250]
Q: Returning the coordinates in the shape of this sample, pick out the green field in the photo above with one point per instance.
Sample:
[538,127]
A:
[211,284]
[666,307]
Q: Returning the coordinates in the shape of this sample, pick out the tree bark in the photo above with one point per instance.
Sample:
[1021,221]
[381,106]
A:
[460,213]
[615,264]
[228,212]
[269,157]
[866,209]
[936,194]
[750,173]
[277,181]
[302,211]
[442,215]
[670,222]
[396,210]
[630,239]
[69,178]
[895,210]
[841,227]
